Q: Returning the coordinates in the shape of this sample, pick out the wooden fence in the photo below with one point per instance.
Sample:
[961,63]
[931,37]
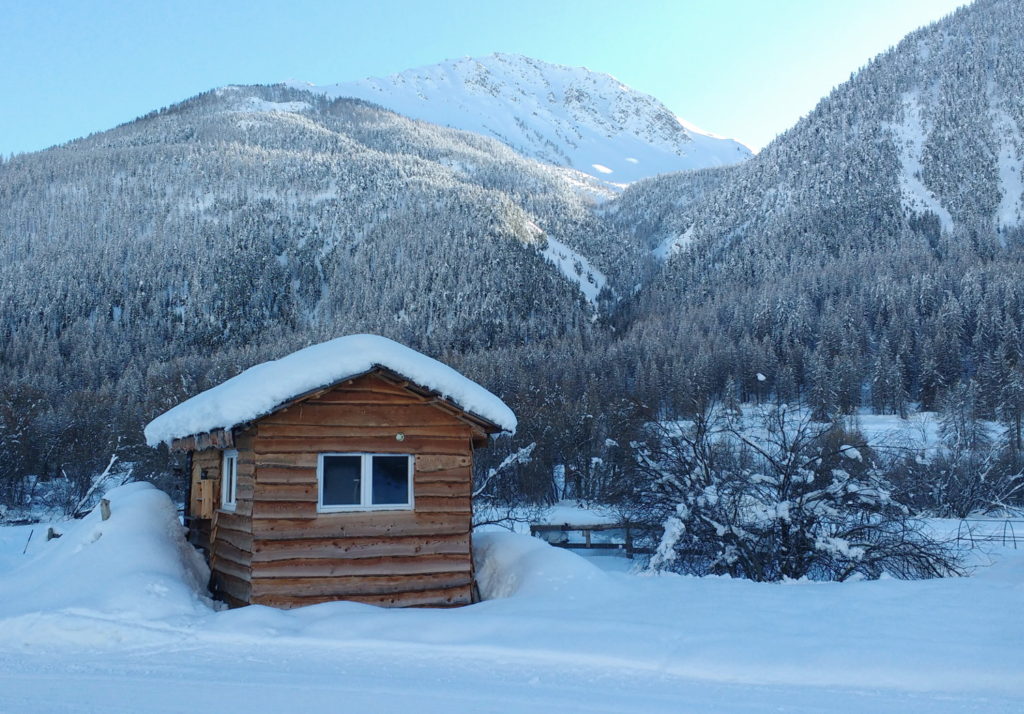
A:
[613,536]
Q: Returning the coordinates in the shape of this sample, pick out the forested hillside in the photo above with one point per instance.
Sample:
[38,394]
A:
[871,256]
[148,262]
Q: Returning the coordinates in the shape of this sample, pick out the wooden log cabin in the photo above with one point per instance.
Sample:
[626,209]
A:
[340,472]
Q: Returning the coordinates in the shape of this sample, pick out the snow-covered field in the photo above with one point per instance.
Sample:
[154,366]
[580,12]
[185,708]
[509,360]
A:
[108,618]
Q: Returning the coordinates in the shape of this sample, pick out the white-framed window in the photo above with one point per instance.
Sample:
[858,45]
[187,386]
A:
[229,480]
[364,482]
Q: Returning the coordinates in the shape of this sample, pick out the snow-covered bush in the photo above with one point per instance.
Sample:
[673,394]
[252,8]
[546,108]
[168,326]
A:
[774,497]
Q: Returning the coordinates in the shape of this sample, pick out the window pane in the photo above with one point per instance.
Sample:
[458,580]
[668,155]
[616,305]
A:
[390,480]
[341,480]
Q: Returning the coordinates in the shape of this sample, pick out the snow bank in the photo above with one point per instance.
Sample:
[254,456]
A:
[122,612]
[510,564]
[260,389]
[135,565]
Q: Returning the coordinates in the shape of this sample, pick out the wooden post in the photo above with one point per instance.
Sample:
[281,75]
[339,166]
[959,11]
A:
[104,509]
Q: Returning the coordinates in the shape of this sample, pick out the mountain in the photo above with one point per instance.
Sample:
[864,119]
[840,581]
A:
[143,264]
[927,138]
[869,257]
[872,252]
[567,116]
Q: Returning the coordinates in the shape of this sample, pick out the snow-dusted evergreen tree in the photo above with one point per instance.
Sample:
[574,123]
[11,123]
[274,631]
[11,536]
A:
[779,497]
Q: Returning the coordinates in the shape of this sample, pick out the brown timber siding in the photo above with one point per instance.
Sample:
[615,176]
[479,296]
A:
[397,558]
[226,536]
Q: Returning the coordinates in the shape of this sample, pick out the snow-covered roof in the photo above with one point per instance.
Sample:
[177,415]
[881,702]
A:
[261,389]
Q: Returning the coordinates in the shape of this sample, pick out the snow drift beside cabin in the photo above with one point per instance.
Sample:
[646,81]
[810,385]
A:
[261,389]
[136,565]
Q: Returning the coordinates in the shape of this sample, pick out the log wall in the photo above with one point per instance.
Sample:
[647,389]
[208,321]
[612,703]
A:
[226,536]
[276,549]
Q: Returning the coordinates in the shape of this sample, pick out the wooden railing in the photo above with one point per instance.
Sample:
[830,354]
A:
[559,536]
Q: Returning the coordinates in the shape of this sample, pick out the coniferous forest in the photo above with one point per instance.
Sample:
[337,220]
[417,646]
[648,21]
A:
[870,258]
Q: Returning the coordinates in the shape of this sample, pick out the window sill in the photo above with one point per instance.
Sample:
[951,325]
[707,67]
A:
[364,509]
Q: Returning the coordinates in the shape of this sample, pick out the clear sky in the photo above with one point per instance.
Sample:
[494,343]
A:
[741,68]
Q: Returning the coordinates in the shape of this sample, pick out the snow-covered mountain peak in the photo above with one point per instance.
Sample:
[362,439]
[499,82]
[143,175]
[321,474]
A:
[568,116]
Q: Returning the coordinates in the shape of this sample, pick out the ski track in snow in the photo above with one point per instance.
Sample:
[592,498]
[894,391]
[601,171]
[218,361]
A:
[1011,170]
[909,138]
[576,268]
[673,244]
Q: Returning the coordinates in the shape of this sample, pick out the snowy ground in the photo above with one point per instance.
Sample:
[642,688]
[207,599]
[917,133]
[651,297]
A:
[107,619]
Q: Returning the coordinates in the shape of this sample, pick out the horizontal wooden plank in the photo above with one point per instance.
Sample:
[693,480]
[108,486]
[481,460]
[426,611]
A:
[341,586]
[225,566]
[442,597]
[239,539]
[307,491]
[286,474]
[228,551]
[344,567]
[464,474]
[368,397]
[207,458]
[358,525]
[451,489]
[366,547]
[236,588]
[361,415]
[288,491]
[319,445]
[285,509]
[443,504]
[268,431]
[442,462]
[234,521]
[307,509]
[292,460]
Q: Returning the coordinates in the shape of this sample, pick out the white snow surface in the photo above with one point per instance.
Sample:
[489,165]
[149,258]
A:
[136,565]
[576,268]
[673,244]
[1011,170]
[568,116]
[259,390]
[119,623]
[909,138]
[112,618]
[255,104]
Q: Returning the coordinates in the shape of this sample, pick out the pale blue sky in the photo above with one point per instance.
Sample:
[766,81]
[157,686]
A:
[742,68]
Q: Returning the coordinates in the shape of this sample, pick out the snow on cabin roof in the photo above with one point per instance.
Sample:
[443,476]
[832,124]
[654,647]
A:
[261,389]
